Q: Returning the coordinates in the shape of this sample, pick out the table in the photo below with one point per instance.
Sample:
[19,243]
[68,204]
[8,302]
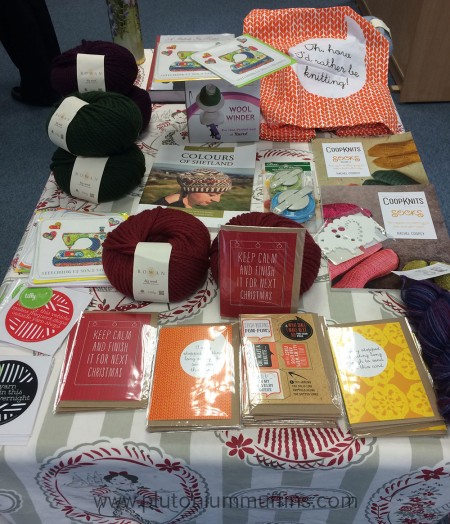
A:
[258,475]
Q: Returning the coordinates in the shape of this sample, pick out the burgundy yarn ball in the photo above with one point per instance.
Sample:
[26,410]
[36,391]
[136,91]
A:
[189,259]
[120,67]
[142,99]
[311,255]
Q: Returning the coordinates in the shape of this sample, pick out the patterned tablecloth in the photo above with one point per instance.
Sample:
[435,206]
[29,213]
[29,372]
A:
[258,475]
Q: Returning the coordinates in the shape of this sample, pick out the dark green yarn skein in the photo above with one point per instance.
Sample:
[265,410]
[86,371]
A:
[122,173]
[107,125]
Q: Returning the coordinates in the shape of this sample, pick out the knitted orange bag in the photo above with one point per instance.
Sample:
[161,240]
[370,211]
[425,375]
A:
[339,82]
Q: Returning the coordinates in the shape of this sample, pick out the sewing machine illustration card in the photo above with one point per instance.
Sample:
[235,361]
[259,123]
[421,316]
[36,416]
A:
[70,250]
[242,60]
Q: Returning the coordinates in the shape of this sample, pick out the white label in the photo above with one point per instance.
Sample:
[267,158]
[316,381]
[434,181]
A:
[363,357]
[332,67]
[257,328]
[61,119]
[90,72]
[205,358]
[423,273]
[407,215]
[345,159]
[151,271]
[269,383]
[87,174]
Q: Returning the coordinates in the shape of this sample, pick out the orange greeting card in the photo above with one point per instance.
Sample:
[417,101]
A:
[195,378]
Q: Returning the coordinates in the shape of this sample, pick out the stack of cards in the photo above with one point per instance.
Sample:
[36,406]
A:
[384,383]
[288,375]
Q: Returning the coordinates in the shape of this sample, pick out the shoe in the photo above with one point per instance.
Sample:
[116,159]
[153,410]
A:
[16,93]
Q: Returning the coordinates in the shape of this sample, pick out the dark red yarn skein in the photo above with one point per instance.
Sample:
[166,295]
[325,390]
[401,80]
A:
[311,254]
[189,259]
[142,99]
[120,67]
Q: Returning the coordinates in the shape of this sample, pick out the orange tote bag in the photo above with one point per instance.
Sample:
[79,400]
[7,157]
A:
[339,81]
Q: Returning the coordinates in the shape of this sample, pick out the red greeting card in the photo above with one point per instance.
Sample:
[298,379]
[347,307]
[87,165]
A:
[107,361]
[260,269]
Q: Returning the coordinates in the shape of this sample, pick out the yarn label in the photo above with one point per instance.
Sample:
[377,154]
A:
[62,118]
[87,173]
[151,271]
[90,72]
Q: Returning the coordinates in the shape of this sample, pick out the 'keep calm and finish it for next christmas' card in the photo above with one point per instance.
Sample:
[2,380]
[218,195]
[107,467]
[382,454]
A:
[260,269]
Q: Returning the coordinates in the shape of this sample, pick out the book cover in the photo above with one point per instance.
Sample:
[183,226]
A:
[107,361]
[195,380]
[260,269]
[173,57]
[382,377]
[378,160]
[212,182]
[242,60]
[163,92]
[70,249]
[288,367]
[219,112]
[413,222]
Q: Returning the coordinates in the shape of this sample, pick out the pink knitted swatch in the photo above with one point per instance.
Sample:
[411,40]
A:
[377,265]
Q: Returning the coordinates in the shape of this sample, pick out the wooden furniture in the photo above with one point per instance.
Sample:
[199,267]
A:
[421,37]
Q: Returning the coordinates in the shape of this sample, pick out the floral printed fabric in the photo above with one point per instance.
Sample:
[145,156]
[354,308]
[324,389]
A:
[293,113]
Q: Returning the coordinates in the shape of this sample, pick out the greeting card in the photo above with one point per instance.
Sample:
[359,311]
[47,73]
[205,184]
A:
[40,318]
[70,250]
[384,382]
[260,269]
[195,382]
[22,384]
[107,362]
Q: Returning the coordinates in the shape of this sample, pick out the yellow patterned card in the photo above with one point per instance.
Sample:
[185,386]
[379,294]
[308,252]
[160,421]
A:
[381,374]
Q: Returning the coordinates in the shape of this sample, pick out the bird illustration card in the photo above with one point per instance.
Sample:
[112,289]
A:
[242,60]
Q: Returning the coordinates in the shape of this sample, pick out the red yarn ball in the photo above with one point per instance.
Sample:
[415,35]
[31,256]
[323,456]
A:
[189,259]
[119,63]
[311,253]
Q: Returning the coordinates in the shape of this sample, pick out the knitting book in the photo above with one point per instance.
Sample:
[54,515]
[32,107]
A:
[384,383]
[413,223]
[195,379]
[172,57]
[381,160]
[107,362]
[213,182]
[287,369]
